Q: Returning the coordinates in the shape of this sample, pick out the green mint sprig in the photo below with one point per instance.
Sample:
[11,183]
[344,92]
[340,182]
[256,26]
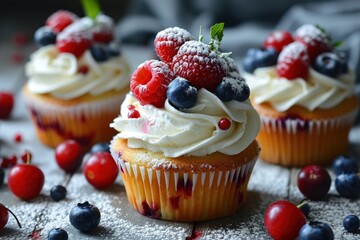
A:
[91,8]
[216,33]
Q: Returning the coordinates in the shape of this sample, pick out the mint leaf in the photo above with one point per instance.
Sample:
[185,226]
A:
[217,31]
[91,8]
[337,44]
[320,28]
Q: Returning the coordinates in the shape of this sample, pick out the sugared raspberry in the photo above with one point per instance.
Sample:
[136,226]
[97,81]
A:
[278,40]
[149,82]
[197,63]
[103,30]
[73,42]
[168,41]
[316,40]
[59,20]
[293,61]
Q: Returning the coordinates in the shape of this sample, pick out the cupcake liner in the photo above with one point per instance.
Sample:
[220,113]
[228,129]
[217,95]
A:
[87,122]
[298,142]
[176,195]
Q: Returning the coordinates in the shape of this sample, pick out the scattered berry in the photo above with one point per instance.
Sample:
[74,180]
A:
[2,175]
[25,181]
[316,230]
[345,164]
[68,155]
[9,161]
[44,36]
[314,182]
[100,52]
[6,104]
[58,193]
[100,147]
[168,41]
[283,220]
[351,223]
[73,42]
[278,40]
[328,64]
[84,69]
[198,64]
[256,58]
[149,82]
[315,39]
[293,61]
[133,113]
[58,234]
[181,94]
[59,20]
[95,167]
[18,137]
[4,216]
[348,185]
[224,124]
[85,217]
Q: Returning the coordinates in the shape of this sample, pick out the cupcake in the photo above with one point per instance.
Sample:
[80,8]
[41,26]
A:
[186,143]
[304,92]
[76,79]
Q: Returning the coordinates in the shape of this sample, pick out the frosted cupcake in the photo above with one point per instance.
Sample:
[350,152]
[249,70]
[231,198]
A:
[76,79]
[186,144]
[305,97]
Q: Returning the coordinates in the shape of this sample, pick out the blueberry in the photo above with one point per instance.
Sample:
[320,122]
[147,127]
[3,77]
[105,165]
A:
[85,217]
[58,193]
[328,64]
[348,185]
[100,147]
[244,92]
[2,174]
[256,58]
[100,52]
[57,234]
[351,223]
[181,94]
[227,89]
[316,230]
[44,36]
[345,164]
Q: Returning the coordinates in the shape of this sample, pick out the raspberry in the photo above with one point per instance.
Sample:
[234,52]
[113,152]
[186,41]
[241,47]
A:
[168,41]
[293,61]
[316,40]
[278,40]
[59,20]
[73,42]
[149,82]
[103,29]
[197,63]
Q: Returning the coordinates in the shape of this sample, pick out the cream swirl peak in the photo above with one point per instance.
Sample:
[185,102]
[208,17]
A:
[194,131]
[55,73]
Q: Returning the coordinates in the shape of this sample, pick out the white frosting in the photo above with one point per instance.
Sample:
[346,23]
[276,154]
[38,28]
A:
[194,132]
[57,74]
[318,91]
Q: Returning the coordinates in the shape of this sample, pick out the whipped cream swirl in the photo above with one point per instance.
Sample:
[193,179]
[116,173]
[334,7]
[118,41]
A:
[57,74]
[318,91]
[194,132]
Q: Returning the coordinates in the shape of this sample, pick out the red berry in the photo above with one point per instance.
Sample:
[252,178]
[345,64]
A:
[168,41]
[95,167]
[314,182]
[133,113]
[293,61]
[20,39]
[278,40]
[59,20]
[26,156]
[68,155]
[283,220]
[73,42]
[83,69]
[9,161]
[6,104]
[149,82]
[198,64]
[103,30]
[131,107]
[224,124]
[315,39]
[25,181]
[18,137]
[4,216]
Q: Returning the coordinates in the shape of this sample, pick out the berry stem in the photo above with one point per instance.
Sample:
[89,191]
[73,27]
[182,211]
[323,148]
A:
[17,220]
[201,36]
[302,203]
[27,158]
[91,8]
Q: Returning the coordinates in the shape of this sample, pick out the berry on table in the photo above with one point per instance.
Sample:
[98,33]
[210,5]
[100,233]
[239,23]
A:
[100,147]
[351,223]
[348,185]
[58,193]
[314,182]
[59,20]
[95,167]
[181,94]
[345,164]
[58,234]
[85,217]
[256,58]
[4,216]
[9,161]
[44,36]
[149,82]
[278,40]
[26,156]
[168,41]
[224,124]
[68,155]
[18,137]
[293,61]
[6,104]
[328,64]
[73,42]
[100,52]
[316,230]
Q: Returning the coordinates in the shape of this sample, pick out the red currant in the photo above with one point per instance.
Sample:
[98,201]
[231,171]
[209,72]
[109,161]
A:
[4,216]
[131,107]
[26,156]
[68,155]
[83,69]
[6,104]
[224,124]
[283,220]
[18,137]
[26,181]
[314,182]
[133,113]
[9,161]
[95,167]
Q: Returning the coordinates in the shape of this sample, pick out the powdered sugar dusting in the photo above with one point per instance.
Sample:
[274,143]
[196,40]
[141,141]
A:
[311,34]
[173,34]
[295,50]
